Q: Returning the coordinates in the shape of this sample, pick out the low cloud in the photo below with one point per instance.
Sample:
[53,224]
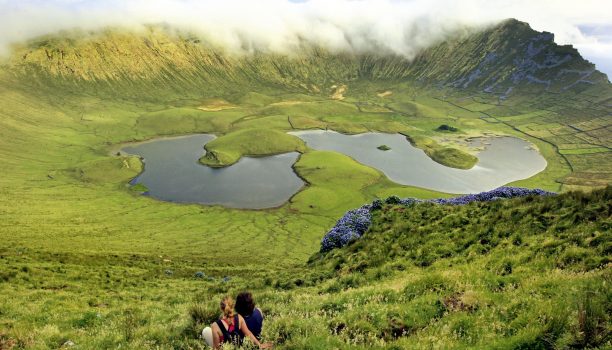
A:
[401,27]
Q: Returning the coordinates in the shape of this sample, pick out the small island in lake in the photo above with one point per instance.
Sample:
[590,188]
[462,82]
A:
[448,128]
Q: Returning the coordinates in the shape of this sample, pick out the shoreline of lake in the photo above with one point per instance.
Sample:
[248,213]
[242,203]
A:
[405,165]
[503,160]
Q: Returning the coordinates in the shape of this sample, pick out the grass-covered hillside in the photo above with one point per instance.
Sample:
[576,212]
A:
[84,259]
[524,273]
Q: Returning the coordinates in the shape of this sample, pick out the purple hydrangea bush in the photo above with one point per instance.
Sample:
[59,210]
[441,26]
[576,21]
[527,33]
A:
[498,193]
[357,221]
[350,227]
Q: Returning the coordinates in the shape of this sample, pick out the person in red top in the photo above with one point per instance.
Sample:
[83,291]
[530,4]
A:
[231,328]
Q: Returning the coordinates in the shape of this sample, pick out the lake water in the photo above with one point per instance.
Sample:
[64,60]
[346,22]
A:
[172,173]
[504,159]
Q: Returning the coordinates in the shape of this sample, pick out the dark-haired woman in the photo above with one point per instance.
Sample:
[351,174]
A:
[245,306]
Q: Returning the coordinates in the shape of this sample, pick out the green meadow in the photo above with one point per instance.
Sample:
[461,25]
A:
[86,259]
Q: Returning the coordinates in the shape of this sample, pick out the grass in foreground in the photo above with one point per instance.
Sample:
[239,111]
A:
[510,274]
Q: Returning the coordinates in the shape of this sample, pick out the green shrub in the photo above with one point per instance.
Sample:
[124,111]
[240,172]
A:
[594,318]
[89,319]
[203,313]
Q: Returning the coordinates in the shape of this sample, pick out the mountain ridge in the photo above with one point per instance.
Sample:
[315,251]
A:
[507,57]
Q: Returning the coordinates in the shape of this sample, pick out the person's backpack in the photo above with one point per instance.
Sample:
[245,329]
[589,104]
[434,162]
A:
[234,337]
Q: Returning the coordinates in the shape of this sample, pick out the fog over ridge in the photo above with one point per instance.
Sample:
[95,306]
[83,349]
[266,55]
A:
[245,26]
[388,26]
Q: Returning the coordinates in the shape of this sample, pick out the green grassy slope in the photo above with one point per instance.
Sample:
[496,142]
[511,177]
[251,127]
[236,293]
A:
[507,55]
[509,274]
[534,268]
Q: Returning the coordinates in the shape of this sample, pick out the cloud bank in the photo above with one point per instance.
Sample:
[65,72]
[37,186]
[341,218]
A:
[402,27]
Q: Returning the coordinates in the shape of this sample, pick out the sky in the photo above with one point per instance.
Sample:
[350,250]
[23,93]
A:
[403,27]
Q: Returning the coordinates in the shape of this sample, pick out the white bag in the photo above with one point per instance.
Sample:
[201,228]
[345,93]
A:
[207,335]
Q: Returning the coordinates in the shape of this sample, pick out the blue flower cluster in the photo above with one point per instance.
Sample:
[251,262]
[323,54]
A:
[498,193]
[349,228]
[356,222]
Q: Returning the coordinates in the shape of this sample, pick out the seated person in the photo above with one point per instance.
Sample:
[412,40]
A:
[245,306]
[230,328]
